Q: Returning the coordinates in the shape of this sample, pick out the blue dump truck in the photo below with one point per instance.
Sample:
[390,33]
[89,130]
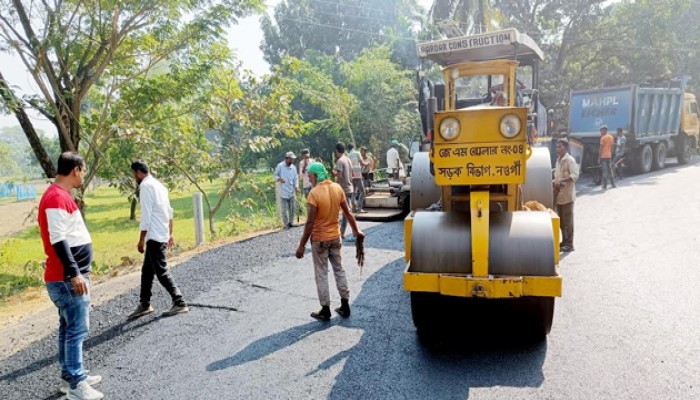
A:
[659,121]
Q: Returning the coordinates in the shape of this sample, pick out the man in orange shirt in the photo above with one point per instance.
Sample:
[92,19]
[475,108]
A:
[325,200]
[605,155]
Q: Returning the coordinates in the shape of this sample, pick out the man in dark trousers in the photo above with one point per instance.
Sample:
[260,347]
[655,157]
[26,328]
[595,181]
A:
[605,156]
[68,248]
[156,237]
[565,176]
[325,201]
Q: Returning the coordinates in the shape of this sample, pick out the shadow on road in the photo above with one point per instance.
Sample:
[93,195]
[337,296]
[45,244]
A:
[117,330]
[390,362]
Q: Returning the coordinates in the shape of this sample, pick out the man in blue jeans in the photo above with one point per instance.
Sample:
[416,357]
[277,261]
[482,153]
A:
[68,249]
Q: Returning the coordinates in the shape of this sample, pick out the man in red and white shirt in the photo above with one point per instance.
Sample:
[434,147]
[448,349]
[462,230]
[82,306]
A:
[68,249]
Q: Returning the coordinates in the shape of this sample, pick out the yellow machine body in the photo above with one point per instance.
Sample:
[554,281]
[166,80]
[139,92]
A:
[480,171]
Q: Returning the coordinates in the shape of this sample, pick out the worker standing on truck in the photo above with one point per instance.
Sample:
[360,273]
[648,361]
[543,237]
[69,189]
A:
[564,184]
[605,155]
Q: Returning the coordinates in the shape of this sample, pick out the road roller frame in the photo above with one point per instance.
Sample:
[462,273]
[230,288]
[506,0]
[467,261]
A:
[483,165]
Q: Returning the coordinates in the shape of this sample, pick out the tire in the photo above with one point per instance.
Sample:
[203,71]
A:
[425,310]
[659,156]
[644,159]
[532,315]
[683,149]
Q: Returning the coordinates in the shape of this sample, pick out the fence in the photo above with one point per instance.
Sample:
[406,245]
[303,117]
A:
[6,189]
[21,192]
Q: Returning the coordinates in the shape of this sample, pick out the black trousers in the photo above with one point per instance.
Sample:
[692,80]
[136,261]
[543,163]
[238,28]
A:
[154,264]
[566,223]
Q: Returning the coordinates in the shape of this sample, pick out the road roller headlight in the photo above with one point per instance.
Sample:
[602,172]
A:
[510,126]
[449,128]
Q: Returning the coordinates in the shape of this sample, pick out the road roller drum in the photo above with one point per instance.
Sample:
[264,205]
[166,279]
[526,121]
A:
[520,243]
[538,178]
[424,191]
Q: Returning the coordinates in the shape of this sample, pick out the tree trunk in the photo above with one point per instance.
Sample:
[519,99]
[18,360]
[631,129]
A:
[71,121]
[15,106]
[212,227]
[132,215]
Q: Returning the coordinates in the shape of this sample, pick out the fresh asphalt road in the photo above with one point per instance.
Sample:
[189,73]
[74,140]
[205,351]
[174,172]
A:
[627,326]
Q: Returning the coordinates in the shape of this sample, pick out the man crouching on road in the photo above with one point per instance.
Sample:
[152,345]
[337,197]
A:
[156,236]
[68,249]
[325,200]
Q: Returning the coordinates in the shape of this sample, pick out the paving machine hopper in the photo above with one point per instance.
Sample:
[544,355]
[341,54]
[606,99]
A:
[480,177]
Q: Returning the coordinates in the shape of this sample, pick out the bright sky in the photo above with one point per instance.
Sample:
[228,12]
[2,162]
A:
[245,38]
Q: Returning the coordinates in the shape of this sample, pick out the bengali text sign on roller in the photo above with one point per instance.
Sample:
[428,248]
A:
[480,163]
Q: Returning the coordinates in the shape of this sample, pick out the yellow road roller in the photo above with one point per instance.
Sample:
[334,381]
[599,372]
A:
[481,227]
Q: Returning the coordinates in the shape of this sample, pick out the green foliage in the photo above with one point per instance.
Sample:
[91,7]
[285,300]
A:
[73,48]
[32,272]
[387,100]
[340,28]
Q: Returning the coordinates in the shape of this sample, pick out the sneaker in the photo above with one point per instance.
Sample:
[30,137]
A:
[176,309]
[91,380]
[324,314]
[84,392]
[567,249]
[344,309]
[363,211]
[140,311]
[350,238]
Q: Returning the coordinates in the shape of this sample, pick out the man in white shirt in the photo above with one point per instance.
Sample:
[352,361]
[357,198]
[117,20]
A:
[286,175]
[156,238]
[304,164]
[358,196]
[393,163]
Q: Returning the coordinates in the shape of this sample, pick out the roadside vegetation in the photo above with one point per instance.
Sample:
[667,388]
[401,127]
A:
[250,209]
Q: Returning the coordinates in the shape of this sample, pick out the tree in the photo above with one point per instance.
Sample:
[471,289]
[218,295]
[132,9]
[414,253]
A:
[472,16]
[8,165]
[325,107]
[69,46]
[386,96]
[339,28]
[242,114]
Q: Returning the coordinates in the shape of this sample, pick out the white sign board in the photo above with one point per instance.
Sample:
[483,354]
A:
[500,38]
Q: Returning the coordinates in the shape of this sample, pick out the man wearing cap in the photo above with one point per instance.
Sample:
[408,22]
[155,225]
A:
[392,160]
[304,164]
[324,202]
[605,155]
[287,177]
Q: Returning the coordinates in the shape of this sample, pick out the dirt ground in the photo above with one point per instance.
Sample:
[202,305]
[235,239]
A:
[13,217]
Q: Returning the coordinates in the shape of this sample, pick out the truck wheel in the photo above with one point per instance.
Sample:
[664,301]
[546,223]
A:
[659,156]
[683,150]
[644,159]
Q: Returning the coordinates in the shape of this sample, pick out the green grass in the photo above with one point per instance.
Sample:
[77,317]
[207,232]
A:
[251,208]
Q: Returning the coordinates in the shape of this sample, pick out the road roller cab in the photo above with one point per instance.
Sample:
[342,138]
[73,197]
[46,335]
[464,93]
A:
[490,235]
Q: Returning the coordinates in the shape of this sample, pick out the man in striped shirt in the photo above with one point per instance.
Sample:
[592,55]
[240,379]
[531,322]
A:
[68,248]
[156,237]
